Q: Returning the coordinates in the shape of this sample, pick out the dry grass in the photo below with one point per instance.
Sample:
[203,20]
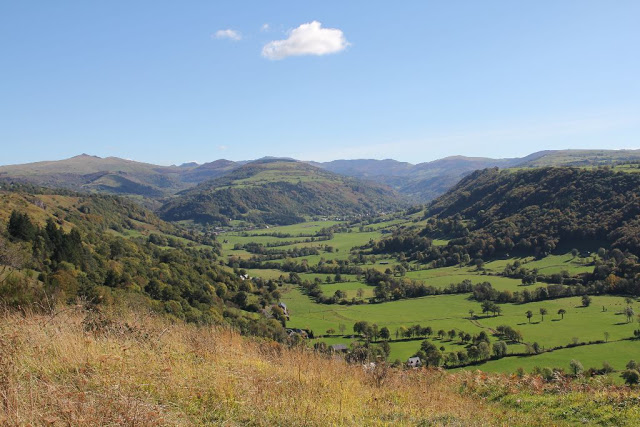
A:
[79,369]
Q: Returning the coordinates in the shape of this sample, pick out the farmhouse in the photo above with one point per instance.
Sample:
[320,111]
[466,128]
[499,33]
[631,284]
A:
[414,362]
[339,348]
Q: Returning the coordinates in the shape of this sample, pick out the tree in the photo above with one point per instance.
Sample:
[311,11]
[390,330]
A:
[360,293]
[386,349]
[401,332]
[632,364]
[473,352]
[536,347]
[340,294]
[12,257]
[442,333]
[486,306]
[471,313]
[342,327]
[375,332]
[452,359]
[433,356]
[360,327]
[20,226]
[331,331]
[628,311]
[500,349]
[562,312]
[484,350]
[606,336]
[574,252]
[631,376]
[576,367]
[602,252]
[452,334]
[529,315]
[497,310]
[543,311]
[586,300]
[384,333]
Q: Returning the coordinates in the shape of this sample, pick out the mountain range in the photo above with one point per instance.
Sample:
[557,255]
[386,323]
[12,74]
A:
[419,183]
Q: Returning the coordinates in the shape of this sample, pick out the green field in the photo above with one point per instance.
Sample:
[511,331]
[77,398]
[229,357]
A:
[581,324]
[617,353]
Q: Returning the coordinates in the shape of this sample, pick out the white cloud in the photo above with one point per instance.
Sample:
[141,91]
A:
[265,27]
[222,147]
[228,34]
[307,39]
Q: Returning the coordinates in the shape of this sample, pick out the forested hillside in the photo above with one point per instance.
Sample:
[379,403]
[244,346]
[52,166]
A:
[56,247]
[279,192]
[493,213]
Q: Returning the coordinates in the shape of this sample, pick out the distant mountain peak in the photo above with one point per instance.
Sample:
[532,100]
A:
[85,155]
[189,165]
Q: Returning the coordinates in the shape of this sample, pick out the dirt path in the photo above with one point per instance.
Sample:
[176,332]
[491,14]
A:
[479,325]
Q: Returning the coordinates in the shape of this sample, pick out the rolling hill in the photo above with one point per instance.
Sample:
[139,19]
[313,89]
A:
[531,211]
[110,175]
[277,191]
[423,182]
[420,182]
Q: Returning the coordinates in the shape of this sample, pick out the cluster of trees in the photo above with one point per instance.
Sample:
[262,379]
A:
[480,350]
[531,276]
[631,374]
[295,252]
[341,266]
[106,269]
[485,292]
[477,348]
[261,248]
[388,286]
[314,290]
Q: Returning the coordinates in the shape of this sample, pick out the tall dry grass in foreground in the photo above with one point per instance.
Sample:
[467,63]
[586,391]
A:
[79,368]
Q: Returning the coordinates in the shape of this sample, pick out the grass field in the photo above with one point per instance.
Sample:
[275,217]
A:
[617,353]
[548,265]
[448,312]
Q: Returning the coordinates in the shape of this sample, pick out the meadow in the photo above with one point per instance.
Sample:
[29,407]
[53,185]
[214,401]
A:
[602,320]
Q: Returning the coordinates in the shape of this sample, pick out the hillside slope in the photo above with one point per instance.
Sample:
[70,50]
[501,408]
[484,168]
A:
[110,175]
[424,182]
[279,192]
[77,367]
[533,211]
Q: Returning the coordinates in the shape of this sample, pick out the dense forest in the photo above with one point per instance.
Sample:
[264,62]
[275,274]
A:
[61,247]
[493,213]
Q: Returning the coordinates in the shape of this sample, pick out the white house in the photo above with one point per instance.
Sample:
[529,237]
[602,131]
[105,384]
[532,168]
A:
[414,362]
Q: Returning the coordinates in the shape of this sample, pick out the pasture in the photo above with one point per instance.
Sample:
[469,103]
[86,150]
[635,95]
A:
[603,319]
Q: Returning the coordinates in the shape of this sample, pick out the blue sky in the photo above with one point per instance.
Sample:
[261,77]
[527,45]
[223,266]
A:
[170,82]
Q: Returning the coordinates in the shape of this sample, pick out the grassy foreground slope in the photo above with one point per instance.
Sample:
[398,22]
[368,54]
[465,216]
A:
[74,367]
